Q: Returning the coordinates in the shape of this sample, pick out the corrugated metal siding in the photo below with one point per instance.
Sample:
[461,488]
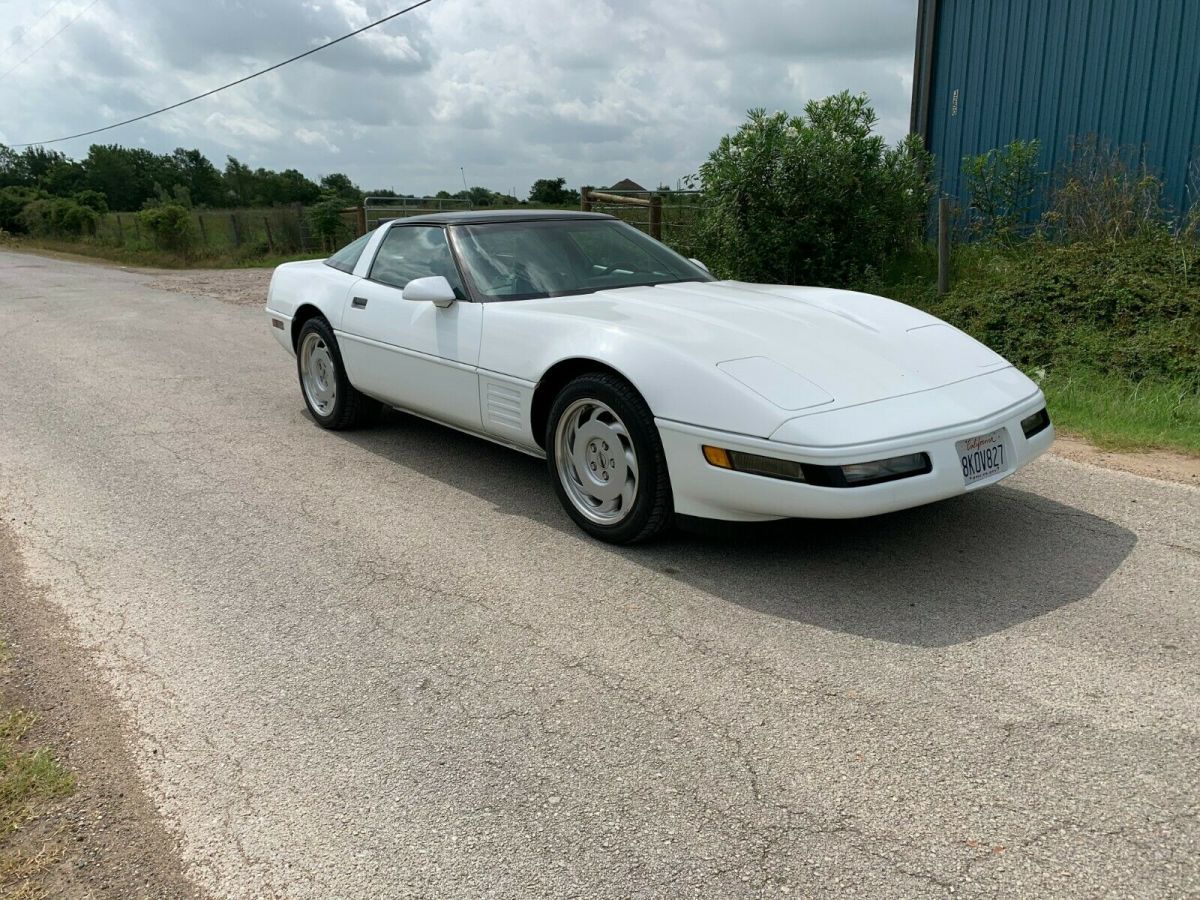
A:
[1127,70]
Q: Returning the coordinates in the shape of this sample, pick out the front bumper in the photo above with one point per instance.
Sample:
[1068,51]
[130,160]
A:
[704,490]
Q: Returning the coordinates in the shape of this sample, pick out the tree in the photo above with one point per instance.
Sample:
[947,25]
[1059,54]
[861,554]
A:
[64,177]
[342,187]
[193,169]
[811,199]
[480,196]
[126,176]
[239,181]
[553,192]
[12,168]
[295,187]
[39,161]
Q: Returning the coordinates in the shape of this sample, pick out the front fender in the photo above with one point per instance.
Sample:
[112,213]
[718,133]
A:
[525,344]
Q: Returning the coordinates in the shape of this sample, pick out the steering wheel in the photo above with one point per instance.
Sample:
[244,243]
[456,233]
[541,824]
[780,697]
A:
[515,281]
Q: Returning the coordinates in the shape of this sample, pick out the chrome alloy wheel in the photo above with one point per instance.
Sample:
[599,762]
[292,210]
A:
[596,461]
[318,373]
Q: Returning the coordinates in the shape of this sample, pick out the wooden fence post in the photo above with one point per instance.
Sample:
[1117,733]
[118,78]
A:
[943,246]
[585,199]
[235,230]
[137,229]
[120,231]
[270,242]
[203,233]
[301,231]
[361,215]
[656,217]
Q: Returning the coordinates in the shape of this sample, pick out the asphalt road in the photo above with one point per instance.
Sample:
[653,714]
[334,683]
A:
[385,663]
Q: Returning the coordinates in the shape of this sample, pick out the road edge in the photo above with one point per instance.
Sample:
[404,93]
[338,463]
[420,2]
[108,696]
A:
[112,840]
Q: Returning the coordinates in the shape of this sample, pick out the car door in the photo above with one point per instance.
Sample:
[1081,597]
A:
[414,355]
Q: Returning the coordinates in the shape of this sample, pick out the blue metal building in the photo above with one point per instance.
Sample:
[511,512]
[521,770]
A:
[990,71]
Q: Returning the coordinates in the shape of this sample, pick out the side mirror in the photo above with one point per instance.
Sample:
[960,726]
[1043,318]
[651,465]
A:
[700,264]
[435,289]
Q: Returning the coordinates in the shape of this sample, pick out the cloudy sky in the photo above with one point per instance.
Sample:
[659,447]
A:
[510,90]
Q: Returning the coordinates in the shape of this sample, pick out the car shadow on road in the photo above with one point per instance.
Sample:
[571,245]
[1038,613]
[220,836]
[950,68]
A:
[934,576]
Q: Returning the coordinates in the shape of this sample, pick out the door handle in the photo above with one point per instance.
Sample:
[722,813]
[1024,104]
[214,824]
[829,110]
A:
[358,303]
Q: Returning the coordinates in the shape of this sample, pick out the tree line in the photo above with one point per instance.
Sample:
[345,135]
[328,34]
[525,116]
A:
[130,178]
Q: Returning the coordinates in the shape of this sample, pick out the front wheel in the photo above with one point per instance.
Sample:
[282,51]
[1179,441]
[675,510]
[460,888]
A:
[331,399]
[606,460]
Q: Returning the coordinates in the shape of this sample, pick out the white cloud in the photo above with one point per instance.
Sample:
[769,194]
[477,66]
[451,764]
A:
[593,91]
[311,138]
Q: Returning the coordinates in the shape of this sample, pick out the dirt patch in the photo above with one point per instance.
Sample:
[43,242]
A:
[243,287]
[106,840]
[1162,464]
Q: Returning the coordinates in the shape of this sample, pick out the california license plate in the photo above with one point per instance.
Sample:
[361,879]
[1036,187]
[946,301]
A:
[984,456]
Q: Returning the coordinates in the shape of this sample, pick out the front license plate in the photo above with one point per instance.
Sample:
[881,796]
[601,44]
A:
[984,456]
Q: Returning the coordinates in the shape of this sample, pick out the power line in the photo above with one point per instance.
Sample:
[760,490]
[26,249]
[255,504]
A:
[217,90]
[26,59]
[32,25]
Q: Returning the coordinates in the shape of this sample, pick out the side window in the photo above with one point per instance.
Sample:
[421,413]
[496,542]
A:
[347,258]
[415,251]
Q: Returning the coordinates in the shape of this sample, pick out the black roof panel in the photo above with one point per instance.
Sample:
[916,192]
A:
[484,216]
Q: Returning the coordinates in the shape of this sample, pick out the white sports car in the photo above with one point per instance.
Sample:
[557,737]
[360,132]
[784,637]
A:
[651,388]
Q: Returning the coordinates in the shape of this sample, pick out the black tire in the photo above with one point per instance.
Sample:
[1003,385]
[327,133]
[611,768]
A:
[652,508]
[349,408]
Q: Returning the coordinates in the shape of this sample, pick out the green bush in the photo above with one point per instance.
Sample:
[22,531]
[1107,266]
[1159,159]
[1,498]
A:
[58,217]
[817,198]
[170,227]
[327,223]
[1002,185]
[1131,309]
[12,201]
[93,200]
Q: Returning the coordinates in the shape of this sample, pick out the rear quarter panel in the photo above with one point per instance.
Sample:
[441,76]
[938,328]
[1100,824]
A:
[309,283]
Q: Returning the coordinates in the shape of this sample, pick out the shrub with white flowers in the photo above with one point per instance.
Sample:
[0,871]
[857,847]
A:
[812,199]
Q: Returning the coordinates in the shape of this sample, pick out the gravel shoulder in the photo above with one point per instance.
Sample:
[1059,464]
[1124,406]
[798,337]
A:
[242,287]
[106,840]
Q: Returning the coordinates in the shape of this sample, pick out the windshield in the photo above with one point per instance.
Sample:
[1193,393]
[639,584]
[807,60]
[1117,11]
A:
[528,260]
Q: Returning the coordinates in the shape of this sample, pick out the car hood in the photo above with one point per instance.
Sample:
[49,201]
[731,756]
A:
[802,349]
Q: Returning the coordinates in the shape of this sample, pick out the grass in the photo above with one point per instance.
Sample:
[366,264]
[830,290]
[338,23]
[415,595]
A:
[160,259]
[1117,413]
[1116,326]
[31,780]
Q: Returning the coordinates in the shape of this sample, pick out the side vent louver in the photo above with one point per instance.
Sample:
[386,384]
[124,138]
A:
[503,406]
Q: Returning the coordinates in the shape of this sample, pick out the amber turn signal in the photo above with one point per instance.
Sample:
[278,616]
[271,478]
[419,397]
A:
[717,457]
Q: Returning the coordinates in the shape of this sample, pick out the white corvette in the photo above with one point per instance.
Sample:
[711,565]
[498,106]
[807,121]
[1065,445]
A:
[650,387]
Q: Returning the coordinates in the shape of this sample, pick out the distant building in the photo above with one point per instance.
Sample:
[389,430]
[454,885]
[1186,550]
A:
[1128,71]
[626,184]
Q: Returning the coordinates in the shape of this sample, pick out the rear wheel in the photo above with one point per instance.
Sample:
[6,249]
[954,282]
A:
[330,397]
[606,459]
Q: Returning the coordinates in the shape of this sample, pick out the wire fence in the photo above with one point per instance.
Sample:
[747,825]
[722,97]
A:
[251,232]
[288,230]
[680,216]
[377,210]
